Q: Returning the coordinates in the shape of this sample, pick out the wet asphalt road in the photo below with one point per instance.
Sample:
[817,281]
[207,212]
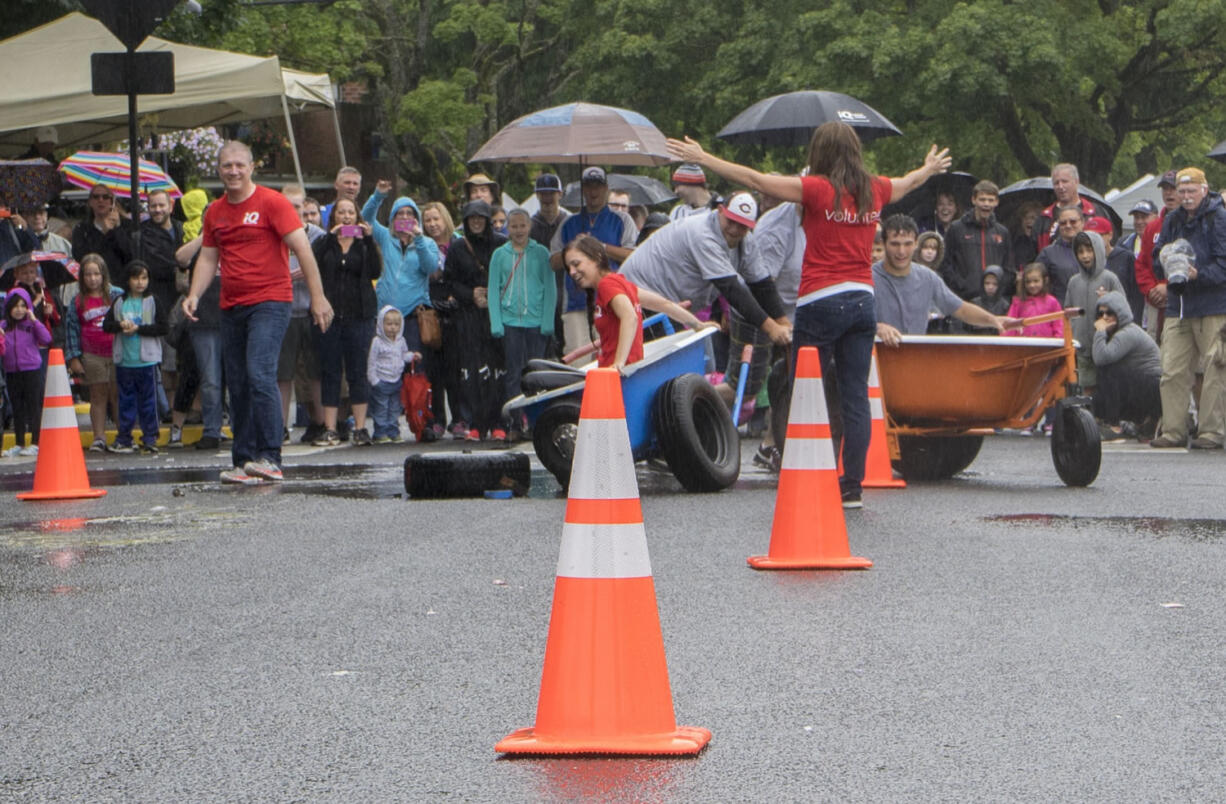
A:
[327,640]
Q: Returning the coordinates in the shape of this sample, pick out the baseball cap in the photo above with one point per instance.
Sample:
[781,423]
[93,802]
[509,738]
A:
[1168,179]
[741,208]
[689,174]
[47,134]
[1100,225]
[594,175]
[1191,175]
[1144,207]
[548,183]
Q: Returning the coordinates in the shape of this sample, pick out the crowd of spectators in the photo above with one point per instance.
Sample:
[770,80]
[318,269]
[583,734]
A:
[466,296]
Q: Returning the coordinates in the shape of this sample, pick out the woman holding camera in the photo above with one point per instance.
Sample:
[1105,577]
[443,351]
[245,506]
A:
[349,262]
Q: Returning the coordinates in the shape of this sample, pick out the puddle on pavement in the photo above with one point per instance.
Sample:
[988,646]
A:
[1198,529]
[77,533]
[349,481]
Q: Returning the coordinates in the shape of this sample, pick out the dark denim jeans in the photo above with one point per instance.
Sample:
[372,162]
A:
[344,347]
[137,400]
[251,345]
[206,343]
[843,327]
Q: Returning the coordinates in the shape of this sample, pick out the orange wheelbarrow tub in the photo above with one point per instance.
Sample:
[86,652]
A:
[944,393]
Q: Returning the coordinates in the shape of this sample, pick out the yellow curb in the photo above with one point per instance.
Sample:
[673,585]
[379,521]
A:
[191,434]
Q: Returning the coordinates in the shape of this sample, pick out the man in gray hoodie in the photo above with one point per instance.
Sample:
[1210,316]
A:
[1129,367]
[1084,289]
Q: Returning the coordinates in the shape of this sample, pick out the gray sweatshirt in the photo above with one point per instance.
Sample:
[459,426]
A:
[1128,346]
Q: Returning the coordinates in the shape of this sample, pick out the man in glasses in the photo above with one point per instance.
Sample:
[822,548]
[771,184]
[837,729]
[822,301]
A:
[95,234]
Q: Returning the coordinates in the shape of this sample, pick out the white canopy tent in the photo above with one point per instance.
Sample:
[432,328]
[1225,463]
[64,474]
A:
[46,77]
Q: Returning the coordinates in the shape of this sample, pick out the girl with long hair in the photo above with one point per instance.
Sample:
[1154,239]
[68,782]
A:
[835,312]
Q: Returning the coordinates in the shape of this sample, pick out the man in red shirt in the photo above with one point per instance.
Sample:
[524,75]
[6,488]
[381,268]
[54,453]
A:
[249,233]
[1066,184]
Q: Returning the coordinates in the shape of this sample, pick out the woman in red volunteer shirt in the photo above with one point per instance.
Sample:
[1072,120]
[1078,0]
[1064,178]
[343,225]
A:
[834,311]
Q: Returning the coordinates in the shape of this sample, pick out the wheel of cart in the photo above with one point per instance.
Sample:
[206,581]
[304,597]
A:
[944,393]
[671,412]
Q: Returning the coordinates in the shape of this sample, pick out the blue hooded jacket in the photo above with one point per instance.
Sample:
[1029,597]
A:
[405,282]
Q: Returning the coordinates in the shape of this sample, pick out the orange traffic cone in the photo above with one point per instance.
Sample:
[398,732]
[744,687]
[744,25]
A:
[809,531]
[878,474]
[604,687]
[60,471]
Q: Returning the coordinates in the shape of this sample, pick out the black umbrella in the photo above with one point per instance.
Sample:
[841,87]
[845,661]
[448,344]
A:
[1038,189]
[1218,152]
[920,203]
[54,267]
[643,190]
[789,119]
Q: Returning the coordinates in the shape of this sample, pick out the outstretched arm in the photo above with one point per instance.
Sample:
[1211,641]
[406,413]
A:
[785,187]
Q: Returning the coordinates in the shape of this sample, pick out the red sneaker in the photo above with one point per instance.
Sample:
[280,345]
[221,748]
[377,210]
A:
[498,434]
[474,435]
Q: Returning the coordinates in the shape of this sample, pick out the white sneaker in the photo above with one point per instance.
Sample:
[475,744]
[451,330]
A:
[12,452]
[29,452]
[264,469]
[237,475]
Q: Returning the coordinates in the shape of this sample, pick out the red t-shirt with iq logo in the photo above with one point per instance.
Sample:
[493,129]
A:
[253,256]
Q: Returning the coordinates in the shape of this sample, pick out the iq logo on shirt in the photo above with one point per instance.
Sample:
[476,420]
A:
[251,218]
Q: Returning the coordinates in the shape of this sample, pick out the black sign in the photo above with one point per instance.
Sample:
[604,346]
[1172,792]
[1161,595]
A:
[130,20]
[152,73]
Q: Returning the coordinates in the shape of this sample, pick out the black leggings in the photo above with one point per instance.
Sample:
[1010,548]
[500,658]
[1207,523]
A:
[27,397]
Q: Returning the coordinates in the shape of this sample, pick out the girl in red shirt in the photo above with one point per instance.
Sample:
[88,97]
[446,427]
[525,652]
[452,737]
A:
[834,311]
[618,317]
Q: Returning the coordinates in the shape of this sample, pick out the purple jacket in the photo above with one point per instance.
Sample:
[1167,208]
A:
[24,338]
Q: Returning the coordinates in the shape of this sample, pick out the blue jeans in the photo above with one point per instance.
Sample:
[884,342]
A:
[251,344]
[385,409]
[206,342]
[843,327]
[137,398]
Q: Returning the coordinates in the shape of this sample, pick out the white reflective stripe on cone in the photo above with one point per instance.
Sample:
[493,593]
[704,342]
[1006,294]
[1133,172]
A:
[604,551]
[874,407]
[808,453]
[57,382]
[603,468]
[62,417]
[808,402]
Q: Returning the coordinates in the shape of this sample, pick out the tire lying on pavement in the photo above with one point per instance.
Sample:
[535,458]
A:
[456,474]
[697,436]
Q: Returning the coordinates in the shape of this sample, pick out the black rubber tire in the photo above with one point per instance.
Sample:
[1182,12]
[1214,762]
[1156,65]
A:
[456,474]
[553,438]
[927,458]
[697,436]
[1076,446]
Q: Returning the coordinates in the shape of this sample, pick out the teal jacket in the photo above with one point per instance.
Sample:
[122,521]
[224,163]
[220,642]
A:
[522,290]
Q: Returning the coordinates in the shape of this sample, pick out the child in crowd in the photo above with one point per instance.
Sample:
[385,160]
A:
[522,297]
[87,347]
[990,299]
[930,250]
[1033,298]
[878,246]
[498,219]
[138,324]
[389,354]
[25,336]
[1084,289]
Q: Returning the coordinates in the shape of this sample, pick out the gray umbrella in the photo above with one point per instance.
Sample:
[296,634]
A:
[1218,152]
[789,119]
[643,190]
[578,133]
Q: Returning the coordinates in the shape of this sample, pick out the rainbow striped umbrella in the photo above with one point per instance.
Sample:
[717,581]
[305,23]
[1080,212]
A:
[87,168]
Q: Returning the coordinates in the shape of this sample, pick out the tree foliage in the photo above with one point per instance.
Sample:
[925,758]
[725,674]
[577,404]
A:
[1119,87]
